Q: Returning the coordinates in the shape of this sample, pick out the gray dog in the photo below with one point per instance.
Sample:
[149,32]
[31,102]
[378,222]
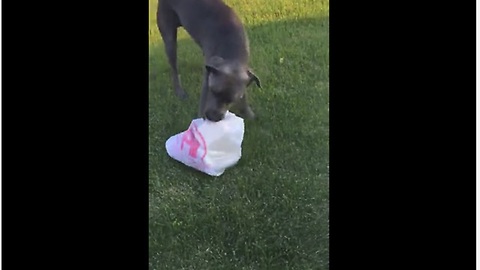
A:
[218,31]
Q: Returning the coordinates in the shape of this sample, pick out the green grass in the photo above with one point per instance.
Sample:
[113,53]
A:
[270,211]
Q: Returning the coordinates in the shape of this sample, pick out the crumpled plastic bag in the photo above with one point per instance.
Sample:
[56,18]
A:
[210,147]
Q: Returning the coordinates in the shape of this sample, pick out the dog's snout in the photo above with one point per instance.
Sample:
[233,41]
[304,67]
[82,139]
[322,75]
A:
[213,115]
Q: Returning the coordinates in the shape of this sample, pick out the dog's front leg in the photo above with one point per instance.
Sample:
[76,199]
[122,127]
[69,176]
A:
[203,97]
[244,108]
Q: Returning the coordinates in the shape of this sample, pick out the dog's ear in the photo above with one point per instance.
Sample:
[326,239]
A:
[214,64]
[253,78]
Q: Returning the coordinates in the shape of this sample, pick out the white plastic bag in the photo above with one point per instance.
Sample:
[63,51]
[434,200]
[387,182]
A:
[208,146]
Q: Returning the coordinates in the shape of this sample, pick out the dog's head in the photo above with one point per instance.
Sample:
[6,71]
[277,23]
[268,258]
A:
[227,83]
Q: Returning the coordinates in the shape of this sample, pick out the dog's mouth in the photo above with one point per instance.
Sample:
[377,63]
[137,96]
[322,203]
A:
[214,116]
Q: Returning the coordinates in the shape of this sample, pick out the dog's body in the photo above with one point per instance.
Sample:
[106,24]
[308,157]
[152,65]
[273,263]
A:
[221,36]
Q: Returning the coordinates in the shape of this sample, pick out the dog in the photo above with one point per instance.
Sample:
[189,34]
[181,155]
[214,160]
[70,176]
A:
[218,31]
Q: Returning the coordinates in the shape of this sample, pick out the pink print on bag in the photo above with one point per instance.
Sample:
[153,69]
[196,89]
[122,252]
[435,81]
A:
[191,142]
[190,139]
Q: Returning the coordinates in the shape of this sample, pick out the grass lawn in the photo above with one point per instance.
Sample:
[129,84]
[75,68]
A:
[271,210]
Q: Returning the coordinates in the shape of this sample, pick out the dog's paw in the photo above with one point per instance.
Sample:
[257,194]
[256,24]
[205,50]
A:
[181,94]
[248,114]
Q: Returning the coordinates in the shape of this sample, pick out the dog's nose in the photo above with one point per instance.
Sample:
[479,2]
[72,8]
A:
[214,116]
